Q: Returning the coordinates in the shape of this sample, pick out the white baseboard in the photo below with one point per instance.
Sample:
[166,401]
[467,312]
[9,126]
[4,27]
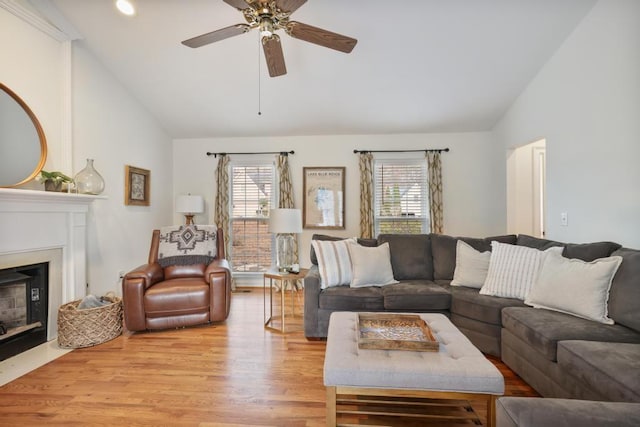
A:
[248,280]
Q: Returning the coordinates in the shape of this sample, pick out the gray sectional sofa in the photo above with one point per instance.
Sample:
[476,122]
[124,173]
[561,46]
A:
[560,355]
[538,412]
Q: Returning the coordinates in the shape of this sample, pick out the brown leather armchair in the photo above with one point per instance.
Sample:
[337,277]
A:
[177,295]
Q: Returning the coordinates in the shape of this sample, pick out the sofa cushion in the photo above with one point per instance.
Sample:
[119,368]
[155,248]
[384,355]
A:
[443,248]
[472,266]
[584,251]
[542,329]
[538,412]
[513,270]
[614,369]
[345,298]
[484,336]
[420,295]
[624,296]
[184,271]
[536,242]
[589,251]
[177,297]
[370,266]
[469,303]
[410,255]
[312,254]
[574,286]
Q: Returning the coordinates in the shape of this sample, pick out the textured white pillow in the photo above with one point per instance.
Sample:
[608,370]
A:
[371,266]
[575,287]
[472,266]
[334,261]
[513,270]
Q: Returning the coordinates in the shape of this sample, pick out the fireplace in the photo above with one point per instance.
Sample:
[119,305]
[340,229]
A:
[23,308]
[41,227]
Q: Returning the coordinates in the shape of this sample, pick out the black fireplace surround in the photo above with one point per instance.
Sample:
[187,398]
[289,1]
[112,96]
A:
[23,308]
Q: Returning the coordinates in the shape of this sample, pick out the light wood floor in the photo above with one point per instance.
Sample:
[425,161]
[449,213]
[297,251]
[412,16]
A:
[232,374]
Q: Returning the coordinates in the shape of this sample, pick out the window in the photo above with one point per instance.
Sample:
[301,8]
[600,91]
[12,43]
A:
[251,197]
[400,196]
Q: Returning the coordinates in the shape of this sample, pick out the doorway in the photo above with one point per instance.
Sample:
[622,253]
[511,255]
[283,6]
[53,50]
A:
[526,189]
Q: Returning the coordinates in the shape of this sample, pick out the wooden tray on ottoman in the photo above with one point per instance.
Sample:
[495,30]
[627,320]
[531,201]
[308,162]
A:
[384,331]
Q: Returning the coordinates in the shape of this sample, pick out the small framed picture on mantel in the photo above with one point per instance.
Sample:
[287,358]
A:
[137,191]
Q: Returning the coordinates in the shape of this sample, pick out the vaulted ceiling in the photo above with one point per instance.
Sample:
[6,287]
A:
[419,66]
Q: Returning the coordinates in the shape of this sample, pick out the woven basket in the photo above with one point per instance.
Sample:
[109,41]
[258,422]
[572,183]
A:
[90,326]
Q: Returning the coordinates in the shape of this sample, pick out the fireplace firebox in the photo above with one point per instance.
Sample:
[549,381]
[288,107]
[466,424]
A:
[23,308]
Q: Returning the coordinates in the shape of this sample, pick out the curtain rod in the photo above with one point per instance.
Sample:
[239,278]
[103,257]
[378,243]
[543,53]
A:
[439,150]
[283,153]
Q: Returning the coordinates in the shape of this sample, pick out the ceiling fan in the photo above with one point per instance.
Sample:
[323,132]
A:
[269,16]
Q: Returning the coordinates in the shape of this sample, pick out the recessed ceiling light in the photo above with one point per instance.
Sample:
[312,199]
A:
[126,7]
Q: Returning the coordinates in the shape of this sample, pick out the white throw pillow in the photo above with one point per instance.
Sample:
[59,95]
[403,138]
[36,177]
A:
[334,261]
[513,270]
[472,266]
[371,266]
[575,287]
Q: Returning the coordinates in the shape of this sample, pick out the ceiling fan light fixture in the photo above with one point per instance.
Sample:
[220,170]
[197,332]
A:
[266,27]
[269,16]
[126,7]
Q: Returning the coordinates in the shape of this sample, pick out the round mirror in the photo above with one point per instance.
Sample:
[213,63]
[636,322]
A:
[23,147]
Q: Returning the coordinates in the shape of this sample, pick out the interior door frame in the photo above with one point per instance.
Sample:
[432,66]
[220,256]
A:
[526,188]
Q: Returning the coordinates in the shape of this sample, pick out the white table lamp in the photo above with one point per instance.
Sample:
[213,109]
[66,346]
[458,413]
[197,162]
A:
[285,223]
[189,206]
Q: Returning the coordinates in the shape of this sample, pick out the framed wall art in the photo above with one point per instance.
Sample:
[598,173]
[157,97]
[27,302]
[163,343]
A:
[323,197]
[137,187]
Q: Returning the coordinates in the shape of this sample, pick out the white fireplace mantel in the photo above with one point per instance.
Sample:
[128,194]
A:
[34,221]
[48,201]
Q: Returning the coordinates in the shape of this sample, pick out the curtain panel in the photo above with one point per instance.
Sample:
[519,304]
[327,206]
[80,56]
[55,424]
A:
[285,193]
[366,196]
[434,171]
[221,210]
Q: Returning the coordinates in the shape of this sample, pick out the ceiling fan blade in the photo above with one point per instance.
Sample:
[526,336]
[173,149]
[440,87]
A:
[289,5]
[274,56]
[238,4]
[321,37]
[215,36]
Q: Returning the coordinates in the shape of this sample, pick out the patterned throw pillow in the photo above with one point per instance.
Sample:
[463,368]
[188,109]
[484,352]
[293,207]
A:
[187,244]
[513,270]
[334,261]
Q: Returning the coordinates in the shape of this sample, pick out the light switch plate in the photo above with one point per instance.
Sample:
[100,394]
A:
[564,219]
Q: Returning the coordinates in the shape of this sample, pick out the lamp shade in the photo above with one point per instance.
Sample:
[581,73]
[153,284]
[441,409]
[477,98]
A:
[189,204]
[283,221]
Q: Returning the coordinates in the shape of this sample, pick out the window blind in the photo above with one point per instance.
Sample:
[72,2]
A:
[400,196]
[251,198]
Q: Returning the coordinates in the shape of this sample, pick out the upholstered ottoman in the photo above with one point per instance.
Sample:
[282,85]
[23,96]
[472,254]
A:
[458,371]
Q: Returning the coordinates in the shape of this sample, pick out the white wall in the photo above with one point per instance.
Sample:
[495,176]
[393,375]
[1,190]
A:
[32,67]
[474,194]
[586,103]
[111,127]
[108,125]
